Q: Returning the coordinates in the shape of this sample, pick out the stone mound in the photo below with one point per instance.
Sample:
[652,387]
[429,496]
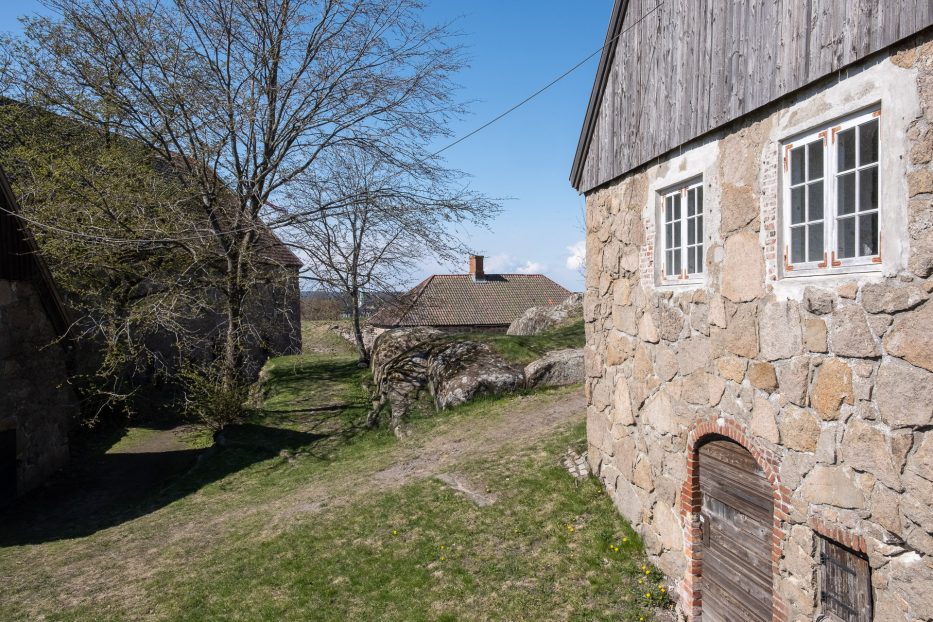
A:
[536,320]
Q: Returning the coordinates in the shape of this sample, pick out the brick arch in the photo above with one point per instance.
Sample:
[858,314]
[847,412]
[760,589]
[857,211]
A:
[710,428]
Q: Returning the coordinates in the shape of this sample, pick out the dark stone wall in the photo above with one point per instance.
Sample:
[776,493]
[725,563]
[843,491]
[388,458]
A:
[36,398]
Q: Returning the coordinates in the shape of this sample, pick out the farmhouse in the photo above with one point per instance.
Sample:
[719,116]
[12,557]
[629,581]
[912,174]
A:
[470,302]
[38,406]
[758,307]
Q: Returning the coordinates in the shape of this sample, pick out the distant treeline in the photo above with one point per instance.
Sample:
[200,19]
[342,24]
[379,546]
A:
[326,306]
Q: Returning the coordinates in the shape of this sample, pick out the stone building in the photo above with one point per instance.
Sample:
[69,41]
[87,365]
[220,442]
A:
[38,405]
[758,308]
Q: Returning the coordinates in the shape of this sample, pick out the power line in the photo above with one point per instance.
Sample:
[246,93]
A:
[456,142]
[548,85]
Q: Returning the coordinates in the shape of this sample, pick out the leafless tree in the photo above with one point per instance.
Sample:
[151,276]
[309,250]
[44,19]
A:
[238,99]
[382,217]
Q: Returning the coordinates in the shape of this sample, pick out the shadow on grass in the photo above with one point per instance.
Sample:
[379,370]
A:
[109,489]
[314,406]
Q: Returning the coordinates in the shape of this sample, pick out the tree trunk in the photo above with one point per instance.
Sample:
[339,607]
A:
[232,352]
[361,350]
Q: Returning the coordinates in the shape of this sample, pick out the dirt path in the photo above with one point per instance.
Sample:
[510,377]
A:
[527,419]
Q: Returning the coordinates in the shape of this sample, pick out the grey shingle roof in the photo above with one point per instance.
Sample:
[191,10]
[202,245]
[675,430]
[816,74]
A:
[459,300]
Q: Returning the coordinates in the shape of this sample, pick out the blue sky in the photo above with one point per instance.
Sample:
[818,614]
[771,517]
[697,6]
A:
[515,48]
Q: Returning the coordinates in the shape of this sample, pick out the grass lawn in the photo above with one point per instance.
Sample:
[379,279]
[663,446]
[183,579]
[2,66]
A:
[523,350]
[303,515]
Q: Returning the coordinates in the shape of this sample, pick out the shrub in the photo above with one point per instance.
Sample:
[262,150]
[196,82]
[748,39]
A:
[208,400]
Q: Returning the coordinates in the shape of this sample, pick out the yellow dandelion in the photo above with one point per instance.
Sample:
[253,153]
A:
[641,582]
[443,559]
[647,594]
[624,539]
[647,572]
[394,532]
[663,590]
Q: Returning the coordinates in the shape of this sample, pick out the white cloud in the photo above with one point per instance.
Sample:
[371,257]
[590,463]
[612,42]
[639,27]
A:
[503,263]
[576,260]
[531,267]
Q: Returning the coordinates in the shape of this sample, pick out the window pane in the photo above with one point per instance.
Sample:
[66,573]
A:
[868,234]
[700,228]
[677,235]
[815,207]
[700,258]
[677,206]
[668,236]
[846,149]
[868,143]
[797,205]
[676,262]
[815,234]
[846,238]
[798,252]
[797,162]
[691,261]
[668,210]
[700,199]
[691,202]
[815,162]
[868,189]
[845,194]
[669,263]
[691,231]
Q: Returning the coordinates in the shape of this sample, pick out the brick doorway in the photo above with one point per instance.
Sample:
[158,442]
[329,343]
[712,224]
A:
[7,466]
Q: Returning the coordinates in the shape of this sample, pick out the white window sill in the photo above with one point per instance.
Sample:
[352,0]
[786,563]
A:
[832,273]
[682,284]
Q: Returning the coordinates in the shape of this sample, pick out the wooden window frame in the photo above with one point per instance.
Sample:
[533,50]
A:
[829,262]
[685,222]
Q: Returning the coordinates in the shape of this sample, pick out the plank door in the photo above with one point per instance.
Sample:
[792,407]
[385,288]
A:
[7,466]
[737,518]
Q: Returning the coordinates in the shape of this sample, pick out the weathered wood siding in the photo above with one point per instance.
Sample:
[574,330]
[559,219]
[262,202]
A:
[691,66]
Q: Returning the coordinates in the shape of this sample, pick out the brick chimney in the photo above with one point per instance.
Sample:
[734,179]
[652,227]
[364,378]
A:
[476,267]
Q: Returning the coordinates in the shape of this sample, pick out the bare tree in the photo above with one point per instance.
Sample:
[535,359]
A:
[238,99]
[381,218]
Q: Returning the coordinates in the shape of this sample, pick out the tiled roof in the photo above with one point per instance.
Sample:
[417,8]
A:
[272,249]
[459,300]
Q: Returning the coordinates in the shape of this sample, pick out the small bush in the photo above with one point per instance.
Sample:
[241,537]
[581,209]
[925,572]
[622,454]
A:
[212,403]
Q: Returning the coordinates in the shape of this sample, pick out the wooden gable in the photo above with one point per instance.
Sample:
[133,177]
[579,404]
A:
[674,70]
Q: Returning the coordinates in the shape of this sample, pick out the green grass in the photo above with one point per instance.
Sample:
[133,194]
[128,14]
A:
[523,350]
[290,520]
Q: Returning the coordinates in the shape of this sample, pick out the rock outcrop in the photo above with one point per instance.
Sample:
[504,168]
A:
[536,320]
[555,369]
[463,371]
[399,362]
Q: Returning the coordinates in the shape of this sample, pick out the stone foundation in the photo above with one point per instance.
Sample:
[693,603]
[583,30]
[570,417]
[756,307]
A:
[826,380]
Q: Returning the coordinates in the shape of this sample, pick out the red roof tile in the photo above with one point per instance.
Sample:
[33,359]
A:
[459,300]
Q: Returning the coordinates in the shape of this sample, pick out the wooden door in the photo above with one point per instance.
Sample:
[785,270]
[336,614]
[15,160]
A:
[7,466]
[736,552]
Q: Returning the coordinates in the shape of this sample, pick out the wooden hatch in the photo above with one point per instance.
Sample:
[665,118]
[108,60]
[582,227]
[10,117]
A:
[736,551]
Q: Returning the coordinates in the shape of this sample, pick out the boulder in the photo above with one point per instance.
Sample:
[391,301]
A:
[536,320]
[556,369]
[399,362]
[460,372]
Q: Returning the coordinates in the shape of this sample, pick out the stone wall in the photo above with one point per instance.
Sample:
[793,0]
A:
[825,379]
[36,399]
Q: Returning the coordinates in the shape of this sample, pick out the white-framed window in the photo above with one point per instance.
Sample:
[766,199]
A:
[681,248]
[831,210]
